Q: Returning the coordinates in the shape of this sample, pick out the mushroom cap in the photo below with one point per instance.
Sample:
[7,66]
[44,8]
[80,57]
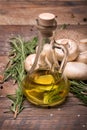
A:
[71,46]
[82,57]
[76,70]
[83,45]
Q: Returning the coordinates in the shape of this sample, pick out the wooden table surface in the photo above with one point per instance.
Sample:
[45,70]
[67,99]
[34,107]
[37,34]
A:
[17,17]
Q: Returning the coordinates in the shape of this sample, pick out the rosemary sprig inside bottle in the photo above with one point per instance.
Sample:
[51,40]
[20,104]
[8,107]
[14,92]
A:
[15,69]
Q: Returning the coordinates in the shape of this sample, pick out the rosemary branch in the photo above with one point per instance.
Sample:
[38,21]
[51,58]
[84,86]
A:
[79,89]
[15,69]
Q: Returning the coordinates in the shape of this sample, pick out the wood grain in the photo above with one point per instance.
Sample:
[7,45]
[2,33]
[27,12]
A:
[28,32]
[71,116]
[21,12]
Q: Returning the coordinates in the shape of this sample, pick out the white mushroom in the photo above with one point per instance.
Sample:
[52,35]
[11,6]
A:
[76,70]
[82,57]
[29,62]
[47,57]
[71,46]
[83,45]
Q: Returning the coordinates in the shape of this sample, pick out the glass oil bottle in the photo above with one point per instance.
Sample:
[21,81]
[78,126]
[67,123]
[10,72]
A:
[46,85]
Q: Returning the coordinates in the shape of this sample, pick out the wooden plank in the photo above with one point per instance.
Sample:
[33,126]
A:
[27,16]
[9,1]
[6,32]
[68,116]
[21,13]
[42,3]
[46,2]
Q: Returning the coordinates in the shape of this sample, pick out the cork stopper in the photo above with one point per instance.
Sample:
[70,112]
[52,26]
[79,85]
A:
[46,19]
[46,24]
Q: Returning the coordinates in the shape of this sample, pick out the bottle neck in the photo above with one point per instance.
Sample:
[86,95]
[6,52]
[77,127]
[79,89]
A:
[45,31]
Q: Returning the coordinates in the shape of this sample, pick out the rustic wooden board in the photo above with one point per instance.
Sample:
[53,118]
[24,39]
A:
[21,12]
[17,17]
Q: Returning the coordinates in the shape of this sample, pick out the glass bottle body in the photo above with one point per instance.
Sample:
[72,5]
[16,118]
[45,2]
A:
[45,88]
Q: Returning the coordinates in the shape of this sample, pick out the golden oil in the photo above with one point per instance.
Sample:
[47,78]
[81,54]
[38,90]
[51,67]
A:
[45,88]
